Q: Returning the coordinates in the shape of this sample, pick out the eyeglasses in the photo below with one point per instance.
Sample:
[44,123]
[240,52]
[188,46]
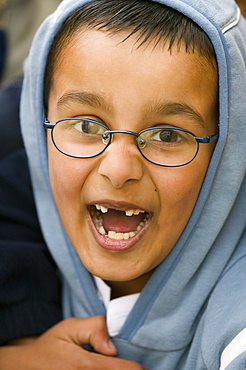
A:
[163,146]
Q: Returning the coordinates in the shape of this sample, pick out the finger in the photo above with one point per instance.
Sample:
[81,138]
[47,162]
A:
[90,330]
[94,361]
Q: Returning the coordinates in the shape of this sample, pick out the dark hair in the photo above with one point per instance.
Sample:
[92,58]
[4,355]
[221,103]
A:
[147,19]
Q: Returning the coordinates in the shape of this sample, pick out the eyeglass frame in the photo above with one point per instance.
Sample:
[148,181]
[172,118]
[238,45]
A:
[203,140]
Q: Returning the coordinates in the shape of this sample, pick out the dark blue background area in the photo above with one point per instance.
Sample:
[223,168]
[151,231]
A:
[3,49]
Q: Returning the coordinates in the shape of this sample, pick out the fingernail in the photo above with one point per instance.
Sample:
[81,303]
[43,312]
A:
[111,345]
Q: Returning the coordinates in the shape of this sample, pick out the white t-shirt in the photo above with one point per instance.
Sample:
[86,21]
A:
[117,309]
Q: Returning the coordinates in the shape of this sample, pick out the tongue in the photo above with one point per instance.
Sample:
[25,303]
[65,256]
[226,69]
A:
[120,223]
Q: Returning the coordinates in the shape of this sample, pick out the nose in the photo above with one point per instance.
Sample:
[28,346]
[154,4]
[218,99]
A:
[121,162]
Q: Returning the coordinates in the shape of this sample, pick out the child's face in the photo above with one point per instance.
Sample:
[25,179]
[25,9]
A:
[129,88]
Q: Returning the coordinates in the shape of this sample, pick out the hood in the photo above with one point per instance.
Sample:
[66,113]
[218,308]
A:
[181,285]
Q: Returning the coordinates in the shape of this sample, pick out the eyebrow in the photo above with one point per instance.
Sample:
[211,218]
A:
[162,108]
[82,97]
[173,109]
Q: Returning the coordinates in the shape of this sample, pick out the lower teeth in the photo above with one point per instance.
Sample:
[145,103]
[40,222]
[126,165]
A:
[114,235]
[120,236]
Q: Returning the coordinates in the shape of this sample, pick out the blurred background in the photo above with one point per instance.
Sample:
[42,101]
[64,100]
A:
[242,5]
[19,20]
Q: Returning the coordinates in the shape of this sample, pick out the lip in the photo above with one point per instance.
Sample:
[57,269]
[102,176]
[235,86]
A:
[111,244]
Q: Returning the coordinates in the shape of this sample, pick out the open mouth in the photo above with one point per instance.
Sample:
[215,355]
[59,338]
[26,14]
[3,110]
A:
[118,224]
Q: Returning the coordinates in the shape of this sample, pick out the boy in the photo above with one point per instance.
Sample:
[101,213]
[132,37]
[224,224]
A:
[133,196]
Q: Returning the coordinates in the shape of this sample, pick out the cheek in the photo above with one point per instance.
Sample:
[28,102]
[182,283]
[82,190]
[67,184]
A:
[67,176]
[179,192]
[192,175]
[179,189]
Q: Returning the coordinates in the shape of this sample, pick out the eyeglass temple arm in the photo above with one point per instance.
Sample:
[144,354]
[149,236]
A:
[207,139]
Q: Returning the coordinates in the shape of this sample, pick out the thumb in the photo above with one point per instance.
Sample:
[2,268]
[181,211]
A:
[92,331]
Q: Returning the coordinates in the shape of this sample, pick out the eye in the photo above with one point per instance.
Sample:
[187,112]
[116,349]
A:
[88,127]
[165,135]
[167,138]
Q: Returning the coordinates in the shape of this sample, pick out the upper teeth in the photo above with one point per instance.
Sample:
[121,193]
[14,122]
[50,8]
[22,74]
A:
[101,208]
[130,212]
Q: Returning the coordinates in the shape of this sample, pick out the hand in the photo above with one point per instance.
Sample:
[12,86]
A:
[59,348]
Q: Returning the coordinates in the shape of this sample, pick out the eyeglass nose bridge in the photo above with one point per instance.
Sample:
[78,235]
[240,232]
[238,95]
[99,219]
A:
[110,133]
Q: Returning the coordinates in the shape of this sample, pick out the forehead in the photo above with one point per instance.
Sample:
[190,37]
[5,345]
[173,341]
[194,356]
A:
[203,51]
[118,73]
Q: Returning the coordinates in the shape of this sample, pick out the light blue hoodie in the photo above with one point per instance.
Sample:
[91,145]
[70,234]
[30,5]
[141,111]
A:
[194,305]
